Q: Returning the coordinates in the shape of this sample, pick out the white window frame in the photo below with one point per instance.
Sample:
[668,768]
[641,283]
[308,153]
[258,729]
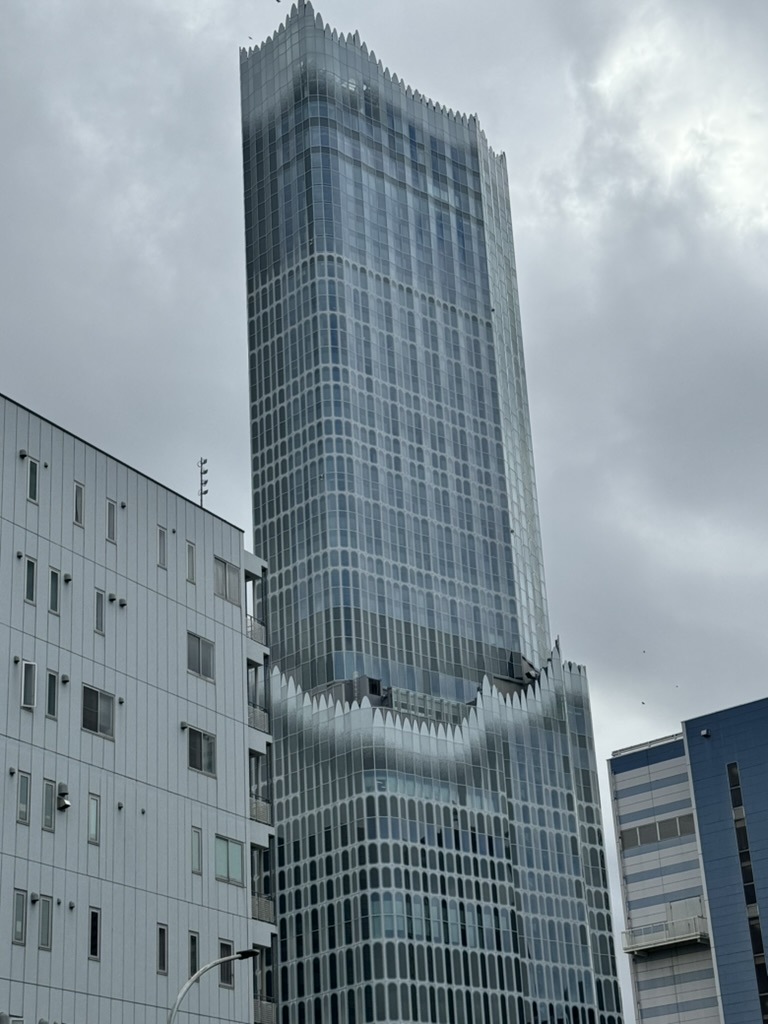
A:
[111,524]
[195,646]
[207,744]
[19,931]
[49,805]
[23,798]
[226,580]
[45,923]
[162,547]
[54,590]
[104,700]
[30,580]
[225,848]
[94,819]
[78,512]
[191,563]
[28,685]
[99,611]
[33,480]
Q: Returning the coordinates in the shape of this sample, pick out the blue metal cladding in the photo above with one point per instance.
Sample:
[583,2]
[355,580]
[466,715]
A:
[441,858]
[736,736]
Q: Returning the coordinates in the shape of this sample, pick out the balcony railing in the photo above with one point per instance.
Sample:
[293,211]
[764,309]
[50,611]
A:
[258,718]
[665,933]
[263,909]
[263,1012]
[261,810]
[255,630]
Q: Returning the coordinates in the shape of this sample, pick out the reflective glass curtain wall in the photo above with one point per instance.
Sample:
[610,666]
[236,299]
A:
[439,849]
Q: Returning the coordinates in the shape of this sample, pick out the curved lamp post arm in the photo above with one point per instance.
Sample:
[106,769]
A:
[243,954]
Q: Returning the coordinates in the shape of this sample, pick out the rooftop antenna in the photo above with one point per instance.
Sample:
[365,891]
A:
[203,464]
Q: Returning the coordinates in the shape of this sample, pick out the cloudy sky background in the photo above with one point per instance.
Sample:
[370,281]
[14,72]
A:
[637,145]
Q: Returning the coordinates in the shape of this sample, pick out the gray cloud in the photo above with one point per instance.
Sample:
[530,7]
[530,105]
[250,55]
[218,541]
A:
[637,147]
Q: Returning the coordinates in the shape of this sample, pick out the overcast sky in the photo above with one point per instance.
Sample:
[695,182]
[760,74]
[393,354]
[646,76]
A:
[637,145]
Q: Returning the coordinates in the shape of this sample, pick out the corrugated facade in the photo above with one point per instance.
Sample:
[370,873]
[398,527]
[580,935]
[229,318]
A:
[128,845]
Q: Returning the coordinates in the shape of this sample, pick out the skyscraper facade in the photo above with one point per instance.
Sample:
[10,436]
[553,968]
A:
[439,844]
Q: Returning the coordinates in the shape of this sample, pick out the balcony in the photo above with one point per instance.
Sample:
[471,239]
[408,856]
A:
[261,810]
[263,909]
[688,931]
[263,1012]
[258,718]
[255,630]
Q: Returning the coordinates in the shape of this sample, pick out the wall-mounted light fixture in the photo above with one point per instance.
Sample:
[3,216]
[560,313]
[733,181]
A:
[63,802]
[64,680]
[183,726]
[113,598]
[22,453]
[67,577]
[122,602]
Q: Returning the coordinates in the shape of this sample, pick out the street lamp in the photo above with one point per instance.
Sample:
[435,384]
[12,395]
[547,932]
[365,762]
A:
[243,954]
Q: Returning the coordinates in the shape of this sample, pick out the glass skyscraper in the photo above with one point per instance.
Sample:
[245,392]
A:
[439,845]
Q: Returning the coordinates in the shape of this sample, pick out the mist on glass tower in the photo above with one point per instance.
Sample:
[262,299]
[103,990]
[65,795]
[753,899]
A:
[439,854]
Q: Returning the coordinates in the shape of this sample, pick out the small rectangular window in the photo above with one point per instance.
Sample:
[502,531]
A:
[19,917]
[94,936]
[226,970]
[162,547]
[49,805]
[202,752]
[94,818]
[200,656]
[111,520]
[51,694]
[30,577]
[54,579]
[33,468]
[28,685]
[22,798]
[98,623]
[98,711]
[45,926]
[162,949]
[79,504]
[226,580]
[229,860]
[194,953]
[197,851]
[191,567]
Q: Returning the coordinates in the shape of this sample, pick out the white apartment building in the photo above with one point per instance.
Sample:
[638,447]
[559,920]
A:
[135,781]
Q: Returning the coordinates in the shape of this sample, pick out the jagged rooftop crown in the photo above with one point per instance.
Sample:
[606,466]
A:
[303,9]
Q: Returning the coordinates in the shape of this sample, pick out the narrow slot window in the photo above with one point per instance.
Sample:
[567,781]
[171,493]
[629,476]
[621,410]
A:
[194,953]
[19,917]
[22,798]
[98,624]
[162,547]
[33,468]
[197,851]
[226,970]
[94,819]
[49,805]
[94,933]
[54,580]
[191,566]
[30,579]
[51,694]
[45,924]
[28,685]
[111,520]
[162,949]
[79,512]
